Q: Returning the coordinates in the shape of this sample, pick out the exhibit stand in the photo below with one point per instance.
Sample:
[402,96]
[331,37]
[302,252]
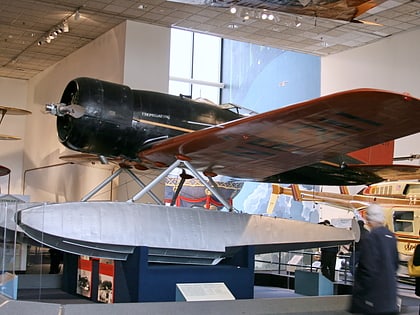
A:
[9,285]
[312,283]
[138,280]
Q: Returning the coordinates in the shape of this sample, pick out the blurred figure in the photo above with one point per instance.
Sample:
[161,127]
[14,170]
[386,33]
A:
[375,282]
[355,250]
[56,258]
[416,262]
[328,258]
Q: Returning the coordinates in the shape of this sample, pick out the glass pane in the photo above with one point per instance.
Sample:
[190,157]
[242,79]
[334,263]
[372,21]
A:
[207,55]
[209,92]
[404,215]
[176,88]
[401,226]
[181,53]
[412,189]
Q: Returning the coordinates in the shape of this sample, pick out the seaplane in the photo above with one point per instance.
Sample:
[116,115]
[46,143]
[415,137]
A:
[313,142]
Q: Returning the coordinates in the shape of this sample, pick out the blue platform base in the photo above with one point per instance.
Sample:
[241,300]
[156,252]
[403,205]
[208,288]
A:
[137,280]
[312,283]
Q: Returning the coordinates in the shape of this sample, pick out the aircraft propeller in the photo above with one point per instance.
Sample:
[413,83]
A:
[60,109]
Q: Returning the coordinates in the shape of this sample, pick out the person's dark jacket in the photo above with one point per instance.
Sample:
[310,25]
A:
[375,284]
[416,262]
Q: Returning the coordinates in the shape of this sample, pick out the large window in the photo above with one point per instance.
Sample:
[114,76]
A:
[195,65]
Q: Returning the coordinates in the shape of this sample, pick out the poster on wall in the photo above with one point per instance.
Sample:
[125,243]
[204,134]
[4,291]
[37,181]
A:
[84,276]
[106,281]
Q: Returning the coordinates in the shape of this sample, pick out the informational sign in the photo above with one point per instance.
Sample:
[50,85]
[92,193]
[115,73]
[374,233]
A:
[203,292]
[106,281]
[84,276]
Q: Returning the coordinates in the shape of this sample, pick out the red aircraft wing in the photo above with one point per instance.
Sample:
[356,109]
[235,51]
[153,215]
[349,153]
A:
[266,145]
[345,10]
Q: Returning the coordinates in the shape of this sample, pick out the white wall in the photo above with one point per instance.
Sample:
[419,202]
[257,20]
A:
[134,54]
[146,67]
[13,93]
[147,53]
[102,59]
[391,64]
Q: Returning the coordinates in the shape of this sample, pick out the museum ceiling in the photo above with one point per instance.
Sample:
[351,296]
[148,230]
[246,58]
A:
[29,45]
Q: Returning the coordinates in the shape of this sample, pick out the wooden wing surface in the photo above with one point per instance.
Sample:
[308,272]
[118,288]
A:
[266,145]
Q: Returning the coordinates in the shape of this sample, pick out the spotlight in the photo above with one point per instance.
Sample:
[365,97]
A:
[65,26]
[264,16]
[271,17]
[233,10]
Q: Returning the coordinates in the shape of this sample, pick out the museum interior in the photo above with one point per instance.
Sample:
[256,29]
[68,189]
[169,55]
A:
[216,135]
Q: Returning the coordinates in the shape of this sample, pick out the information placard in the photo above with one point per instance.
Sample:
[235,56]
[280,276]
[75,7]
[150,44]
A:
[215,291]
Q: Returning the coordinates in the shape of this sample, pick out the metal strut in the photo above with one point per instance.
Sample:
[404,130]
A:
[116,174]
[208,186]
[101,185]
[152,184]
[212,189]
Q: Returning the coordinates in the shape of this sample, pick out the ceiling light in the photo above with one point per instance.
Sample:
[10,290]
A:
[65,26]
[298,22]
[233,10]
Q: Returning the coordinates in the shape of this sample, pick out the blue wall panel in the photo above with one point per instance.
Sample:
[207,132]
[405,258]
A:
[262,79]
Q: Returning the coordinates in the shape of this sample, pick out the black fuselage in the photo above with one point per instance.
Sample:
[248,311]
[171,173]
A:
[120,122]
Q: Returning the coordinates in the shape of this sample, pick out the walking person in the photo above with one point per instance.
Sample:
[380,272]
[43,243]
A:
[328,258]
[375,283]
[355,249]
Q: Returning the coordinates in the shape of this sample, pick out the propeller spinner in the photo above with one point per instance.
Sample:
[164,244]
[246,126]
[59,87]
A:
[60,109]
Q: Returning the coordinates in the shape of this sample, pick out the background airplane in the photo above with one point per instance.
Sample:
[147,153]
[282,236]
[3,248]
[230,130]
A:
[11,111]
[399,199]
[344,10]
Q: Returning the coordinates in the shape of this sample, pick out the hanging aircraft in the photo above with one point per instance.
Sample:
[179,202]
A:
[343,10]
[11,111]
